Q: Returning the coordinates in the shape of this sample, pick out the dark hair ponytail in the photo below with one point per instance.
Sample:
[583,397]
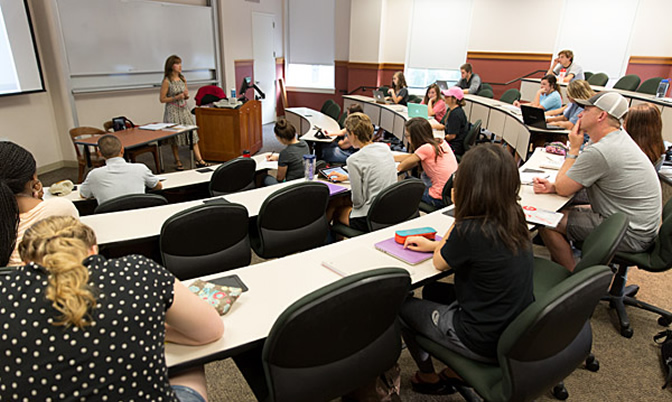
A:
[9,223]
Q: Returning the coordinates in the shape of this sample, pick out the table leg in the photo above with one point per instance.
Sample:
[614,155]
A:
[87,153]
[191,148]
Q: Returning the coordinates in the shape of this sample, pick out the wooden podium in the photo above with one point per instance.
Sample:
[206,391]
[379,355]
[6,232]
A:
[225,133]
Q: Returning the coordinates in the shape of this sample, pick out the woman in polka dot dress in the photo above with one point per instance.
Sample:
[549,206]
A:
[75,325]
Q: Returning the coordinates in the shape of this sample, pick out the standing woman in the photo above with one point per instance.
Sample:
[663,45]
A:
[457,125]
[489,249]
[548,96]
[644,124]
[434,154]
[399,91]
[436,106]
[174,94]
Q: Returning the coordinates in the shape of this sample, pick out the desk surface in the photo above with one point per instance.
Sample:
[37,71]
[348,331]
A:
[309,123]
[134,137]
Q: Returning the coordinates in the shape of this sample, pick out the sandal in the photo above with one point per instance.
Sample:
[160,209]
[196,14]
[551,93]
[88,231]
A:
[202,164]
[179,166]
[428,388]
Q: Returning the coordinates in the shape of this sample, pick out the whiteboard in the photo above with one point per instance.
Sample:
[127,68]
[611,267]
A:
[124,43]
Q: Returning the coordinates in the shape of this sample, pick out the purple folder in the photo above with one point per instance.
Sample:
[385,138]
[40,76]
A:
[396,250]
[335,188]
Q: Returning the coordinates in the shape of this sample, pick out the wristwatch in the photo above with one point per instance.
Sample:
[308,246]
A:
[570,156]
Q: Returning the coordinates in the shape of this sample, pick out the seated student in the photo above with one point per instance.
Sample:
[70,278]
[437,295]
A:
[399,91]
[370,171]
[489,249]
[565,60]
[290,159]
[97,326]
[437,159]
[117,177]
[338,151]
[548,96]
[21,193]
[457,125]
[567,116]
[470,83]
[436,106]
[644,124]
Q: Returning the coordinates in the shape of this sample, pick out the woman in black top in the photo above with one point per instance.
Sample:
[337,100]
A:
[489,249]
[399,91]
[457,125]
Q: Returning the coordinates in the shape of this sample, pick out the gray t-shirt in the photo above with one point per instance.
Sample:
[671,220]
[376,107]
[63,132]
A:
[371,170]
[117,178]
[620,178]
[292,157]
[573,68]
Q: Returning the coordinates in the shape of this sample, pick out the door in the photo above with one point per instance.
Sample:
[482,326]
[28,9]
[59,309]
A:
[263,34]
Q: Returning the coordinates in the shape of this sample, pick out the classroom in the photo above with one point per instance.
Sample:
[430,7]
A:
[320,50]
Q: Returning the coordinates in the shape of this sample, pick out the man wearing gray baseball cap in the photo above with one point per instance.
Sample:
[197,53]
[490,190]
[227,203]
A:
[616,174]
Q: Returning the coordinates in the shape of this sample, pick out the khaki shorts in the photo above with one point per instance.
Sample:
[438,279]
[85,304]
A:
[581,221]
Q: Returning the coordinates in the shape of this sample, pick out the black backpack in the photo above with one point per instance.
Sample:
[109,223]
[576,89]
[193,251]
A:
[121,123]
[665,353]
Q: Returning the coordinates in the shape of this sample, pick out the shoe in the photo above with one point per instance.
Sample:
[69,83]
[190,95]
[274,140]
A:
[179,167]
[428,388]
[202,164]
[452,381]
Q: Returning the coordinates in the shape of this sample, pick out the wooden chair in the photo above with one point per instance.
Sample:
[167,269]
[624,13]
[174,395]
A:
[96,160]
[133,153]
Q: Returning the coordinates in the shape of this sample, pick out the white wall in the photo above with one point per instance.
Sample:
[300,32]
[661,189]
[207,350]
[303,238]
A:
[394,30]
[365,22]
[342,29]
[652,31]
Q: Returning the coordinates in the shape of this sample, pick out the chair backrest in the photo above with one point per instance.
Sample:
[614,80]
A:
[395,204]
[232,176]
[658,257]
[485,85]
[326,104]
[84,132]
[587,74]
[552,336]
[108,126]
[599,79]
[130,201]
[628,82]
[333,111]
[384,88]
[650,86]
[337,338]
[486,93]
[414,98]
[600,245]
[471,136]
[206,239]
[511,95]
[293,219]
[446,192]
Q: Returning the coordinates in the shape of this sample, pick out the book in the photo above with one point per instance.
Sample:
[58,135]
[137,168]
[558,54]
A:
[218,296]
[542,216]
[360,260]
[156,126]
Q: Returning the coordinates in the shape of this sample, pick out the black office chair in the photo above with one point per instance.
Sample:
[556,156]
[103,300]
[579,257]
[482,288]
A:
[587,75]
[333,111]
[471,136]
[658,258]
[290,220]
[599,79]
[540,348]
[384,88]
[131,201]
[414,99]
[337,338]
[511,95]
[445,196]
[395,204]
[206,239]
[232,176]
[326,104]
[486,93]
[628,82]
[650,86]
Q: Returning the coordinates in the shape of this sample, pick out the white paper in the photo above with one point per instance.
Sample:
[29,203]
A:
[542,216]
[157,126]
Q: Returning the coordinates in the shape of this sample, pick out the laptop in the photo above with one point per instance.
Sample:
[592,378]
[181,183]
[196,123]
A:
[442,84]
[379,96]
[535,117]
[417,110]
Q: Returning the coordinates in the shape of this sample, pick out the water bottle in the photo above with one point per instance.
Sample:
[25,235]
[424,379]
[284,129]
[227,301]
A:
[233,93]
[246,154]
[308,166]
[662,88]
[561,76]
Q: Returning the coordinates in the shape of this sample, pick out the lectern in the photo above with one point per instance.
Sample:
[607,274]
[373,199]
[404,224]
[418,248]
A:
[225,133]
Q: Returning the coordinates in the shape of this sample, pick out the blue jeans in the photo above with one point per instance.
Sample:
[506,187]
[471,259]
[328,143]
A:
[426,198]
[186,394]
[332,153]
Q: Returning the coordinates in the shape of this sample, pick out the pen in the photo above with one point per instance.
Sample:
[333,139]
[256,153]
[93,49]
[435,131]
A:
[271,155]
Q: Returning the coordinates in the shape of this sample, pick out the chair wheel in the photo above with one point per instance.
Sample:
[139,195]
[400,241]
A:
[664,321]
[627,332]
[593,365]
[560,392]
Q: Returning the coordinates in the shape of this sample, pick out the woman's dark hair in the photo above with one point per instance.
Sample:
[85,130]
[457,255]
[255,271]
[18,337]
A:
[355,108]
[552,81]
[285,130]
[421,133]
[644,124]
[401,81]
[168,68]
[17,168]
[486,188]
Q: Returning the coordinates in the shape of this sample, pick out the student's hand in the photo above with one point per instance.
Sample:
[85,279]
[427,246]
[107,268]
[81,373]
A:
[542,186]
[390,92]
[272,157]
[335,176]
[575,138]
[555,62]
[516,103]
[420,243]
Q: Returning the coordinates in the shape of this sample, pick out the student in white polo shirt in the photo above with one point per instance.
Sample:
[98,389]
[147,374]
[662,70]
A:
[117,177]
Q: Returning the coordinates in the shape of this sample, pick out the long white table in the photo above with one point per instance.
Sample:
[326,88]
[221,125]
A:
[529,87]
[308,121]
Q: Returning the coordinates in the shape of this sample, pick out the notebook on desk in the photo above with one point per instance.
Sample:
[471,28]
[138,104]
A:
[535,117]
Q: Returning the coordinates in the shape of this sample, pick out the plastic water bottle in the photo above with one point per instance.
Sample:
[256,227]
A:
[233,93]
[662,88]
[561,76]
[308,166]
